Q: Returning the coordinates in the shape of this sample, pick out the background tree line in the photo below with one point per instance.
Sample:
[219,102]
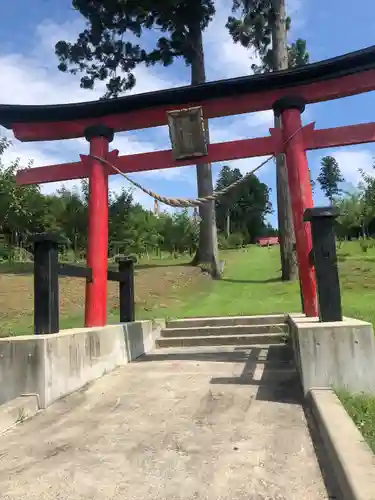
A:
[241,215]
[133,230]
[356,208]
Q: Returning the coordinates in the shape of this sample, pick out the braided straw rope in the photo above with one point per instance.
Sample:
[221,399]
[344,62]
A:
[184,202]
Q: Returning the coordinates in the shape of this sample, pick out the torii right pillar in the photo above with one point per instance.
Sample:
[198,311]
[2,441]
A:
[290,109]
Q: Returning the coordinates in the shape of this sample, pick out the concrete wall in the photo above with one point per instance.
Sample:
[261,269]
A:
[339,354]
[55,365]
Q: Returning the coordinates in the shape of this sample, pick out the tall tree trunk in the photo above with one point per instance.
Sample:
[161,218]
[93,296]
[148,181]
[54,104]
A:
[227,225]
[289,271]
[207,251]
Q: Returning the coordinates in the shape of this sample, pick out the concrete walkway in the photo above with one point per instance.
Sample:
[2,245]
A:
[208,423]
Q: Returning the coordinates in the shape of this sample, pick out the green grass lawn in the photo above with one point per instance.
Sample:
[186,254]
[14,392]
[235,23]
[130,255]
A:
[251,285]
[361,408]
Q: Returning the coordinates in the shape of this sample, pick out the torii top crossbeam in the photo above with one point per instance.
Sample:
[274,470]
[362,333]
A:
[350,74]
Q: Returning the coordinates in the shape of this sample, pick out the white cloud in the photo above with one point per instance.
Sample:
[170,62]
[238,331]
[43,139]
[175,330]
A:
[350,160]
[224,59]
[33,78]
[241,127]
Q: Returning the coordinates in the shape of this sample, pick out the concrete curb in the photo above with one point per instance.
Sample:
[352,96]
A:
[352,461]
[17,411]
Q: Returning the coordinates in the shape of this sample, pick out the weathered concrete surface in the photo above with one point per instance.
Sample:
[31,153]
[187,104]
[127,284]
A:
[55,365]
[218,423]
[338,354]
[17,410]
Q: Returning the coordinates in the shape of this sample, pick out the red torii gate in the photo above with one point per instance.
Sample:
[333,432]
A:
[286,92]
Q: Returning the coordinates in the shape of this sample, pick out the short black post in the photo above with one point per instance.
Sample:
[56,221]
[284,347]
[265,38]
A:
[46,283]
[325,261]
[127,302]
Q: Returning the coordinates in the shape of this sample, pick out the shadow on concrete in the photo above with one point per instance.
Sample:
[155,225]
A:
[239,356]
[279,379]
[255,282]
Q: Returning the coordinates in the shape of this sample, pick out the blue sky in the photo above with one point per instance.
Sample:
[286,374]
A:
[28,75]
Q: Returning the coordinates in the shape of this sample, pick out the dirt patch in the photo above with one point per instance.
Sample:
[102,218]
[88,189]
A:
[155,287]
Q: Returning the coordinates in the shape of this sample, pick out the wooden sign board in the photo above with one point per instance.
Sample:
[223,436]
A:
[187,133]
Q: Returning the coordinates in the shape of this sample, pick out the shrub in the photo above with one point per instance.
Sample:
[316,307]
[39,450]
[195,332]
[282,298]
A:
[365,245]
[223,242]
[235,240]
[4,252]
[133,257]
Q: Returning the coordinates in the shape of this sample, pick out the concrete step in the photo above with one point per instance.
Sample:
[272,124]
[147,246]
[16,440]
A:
[217,340]
[226,321]
[204,331]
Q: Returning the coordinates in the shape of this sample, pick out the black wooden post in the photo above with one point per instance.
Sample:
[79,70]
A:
[127,302]
[325,261]
[46,283]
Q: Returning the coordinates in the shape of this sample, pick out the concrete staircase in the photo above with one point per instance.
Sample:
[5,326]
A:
[224,331]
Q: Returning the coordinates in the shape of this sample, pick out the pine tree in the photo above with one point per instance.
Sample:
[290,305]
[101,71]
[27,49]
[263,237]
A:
[329,177]
[103,52]
[246,206]
[263,26]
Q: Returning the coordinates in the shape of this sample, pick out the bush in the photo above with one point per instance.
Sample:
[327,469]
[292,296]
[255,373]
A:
[235,240]
[133,257]
[4,252]
[223,242]
[365,245]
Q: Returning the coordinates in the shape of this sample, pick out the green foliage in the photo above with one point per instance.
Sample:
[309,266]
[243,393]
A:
[21,208]
[298,54]
[105,50]
[247,205]
[132,229]
[351,219]
[235,240]
[329,177]
[222,241]
[365,245]
[357,210]
[361,408]
[253,29]
[232,242]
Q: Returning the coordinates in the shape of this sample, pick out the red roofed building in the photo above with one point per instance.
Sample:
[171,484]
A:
[265,241]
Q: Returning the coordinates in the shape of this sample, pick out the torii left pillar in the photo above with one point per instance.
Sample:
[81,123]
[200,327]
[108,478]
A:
[99,137]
